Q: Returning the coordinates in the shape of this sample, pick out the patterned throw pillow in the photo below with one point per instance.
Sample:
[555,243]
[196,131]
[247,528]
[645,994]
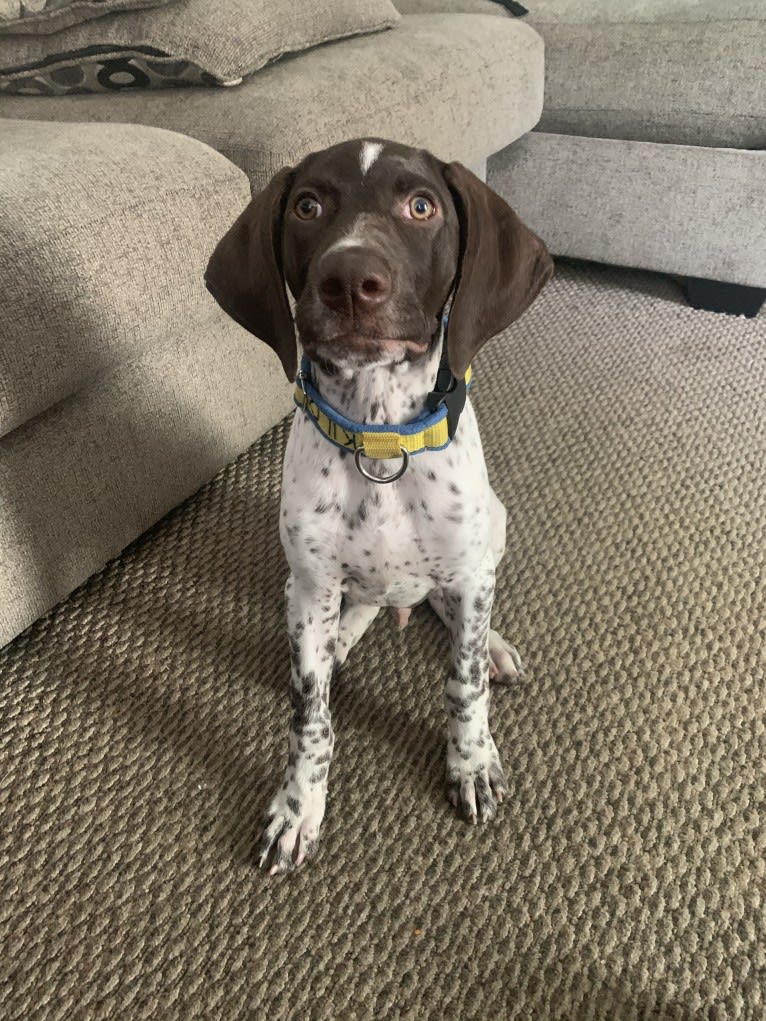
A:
[45,16]
[187,42]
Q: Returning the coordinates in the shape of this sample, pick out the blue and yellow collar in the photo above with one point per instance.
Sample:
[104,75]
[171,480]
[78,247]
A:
[433,429]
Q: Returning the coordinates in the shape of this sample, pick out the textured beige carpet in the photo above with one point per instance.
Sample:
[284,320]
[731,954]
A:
[144,725]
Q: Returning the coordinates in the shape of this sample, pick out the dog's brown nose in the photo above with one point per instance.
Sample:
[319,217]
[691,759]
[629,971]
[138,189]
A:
[353,279]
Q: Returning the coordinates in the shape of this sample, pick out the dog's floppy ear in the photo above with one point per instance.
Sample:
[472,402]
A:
[245,277]
[503,266]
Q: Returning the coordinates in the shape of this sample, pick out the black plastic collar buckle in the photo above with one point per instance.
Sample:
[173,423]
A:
[452,393]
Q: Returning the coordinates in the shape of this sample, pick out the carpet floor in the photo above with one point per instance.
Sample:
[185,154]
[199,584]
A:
[143,726]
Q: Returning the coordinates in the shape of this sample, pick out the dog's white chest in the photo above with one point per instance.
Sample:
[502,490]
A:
[390,558]
[387,545]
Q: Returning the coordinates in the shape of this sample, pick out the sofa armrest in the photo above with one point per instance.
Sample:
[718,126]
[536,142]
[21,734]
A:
[105,232]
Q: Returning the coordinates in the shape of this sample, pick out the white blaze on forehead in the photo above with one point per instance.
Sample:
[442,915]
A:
[368,155]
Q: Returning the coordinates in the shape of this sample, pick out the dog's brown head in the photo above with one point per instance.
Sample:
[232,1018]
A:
[372,237]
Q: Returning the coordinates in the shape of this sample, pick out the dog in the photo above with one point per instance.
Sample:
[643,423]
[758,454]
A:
[400,267]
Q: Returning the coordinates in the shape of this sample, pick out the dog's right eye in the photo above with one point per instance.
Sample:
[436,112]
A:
[308,208]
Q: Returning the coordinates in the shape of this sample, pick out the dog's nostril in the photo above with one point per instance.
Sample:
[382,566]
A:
[372,286]
[334,293]
[332,287]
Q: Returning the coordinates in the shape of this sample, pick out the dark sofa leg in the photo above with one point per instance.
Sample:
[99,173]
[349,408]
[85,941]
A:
[736,299]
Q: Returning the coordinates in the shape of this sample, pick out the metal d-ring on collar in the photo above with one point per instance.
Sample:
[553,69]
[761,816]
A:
[302,377]
[358,454]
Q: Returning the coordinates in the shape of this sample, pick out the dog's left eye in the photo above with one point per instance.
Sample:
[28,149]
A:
[308,208]
[421,208]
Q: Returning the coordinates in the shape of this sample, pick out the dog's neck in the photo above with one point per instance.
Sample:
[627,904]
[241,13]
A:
[381,394]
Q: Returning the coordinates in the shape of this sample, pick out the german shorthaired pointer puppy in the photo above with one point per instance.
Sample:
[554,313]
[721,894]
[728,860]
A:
[401,268]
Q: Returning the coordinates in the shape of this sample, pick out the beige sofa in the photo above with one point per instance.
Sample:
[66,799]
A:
[650,148]
[122,386]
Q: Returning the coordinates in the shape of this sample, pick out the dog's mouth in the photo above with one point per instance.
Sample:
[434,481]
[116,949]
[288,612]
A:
[388,335]
[361,347]
[376,343]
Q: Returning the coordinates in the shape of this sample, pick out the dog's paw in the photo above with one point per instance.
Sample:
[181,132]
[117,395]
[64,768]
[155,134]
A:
[475,786]
[290,830]
[504,661]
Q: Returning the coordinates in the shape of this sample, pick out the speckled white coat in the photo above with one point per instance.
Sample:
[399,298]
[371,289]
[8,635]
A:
[354,546]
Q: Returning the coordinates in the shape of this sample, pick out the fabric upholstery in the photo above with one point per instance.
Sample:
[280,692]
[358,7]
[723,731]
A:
[25,16]
[695,83]
[679,209]
[123,386]
[584,12]
[224,41]
[82,480]
[451,7]
[462,86]
[683,71]
[106,231]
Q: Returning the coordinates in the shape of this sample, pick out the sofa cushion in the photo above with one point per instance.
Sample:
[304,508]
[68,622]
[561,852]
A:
[463,86]
[683,71]
[106,231]
[45,16]
[641,203]
[187,42]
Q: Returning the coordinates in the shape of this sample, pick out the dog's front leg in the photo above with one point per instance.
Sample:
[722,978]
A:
[475,779]
[295,814]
